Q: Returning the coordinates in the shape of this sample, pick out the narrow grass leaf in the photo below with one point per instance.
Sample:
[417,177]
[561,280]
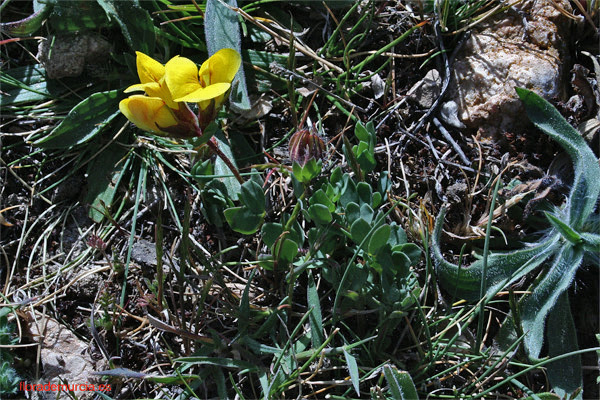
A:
[219,362]
[353,371]
[316,318]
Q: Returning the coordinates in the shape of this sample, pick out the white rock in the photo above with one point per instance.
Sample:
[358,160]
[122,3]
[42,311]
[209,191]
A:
[504,54]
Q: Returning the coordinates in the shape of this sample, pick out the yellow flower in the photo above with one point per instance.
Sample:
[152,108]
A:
[157,112]
[151,114]
[208,86]
[152,78]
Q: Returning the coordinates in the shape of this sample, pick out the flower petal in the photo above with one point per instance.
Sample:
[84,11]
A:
[147,113]
[207,93]
[142,86]
[149,70]
[181,77]
[220,67]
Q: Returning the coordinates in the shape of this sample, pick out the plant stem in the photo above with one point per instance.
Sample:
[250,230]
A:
[215,148]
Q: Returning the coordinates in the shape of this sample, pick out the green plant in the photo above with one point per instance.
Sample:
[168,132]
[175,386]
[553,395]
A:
[9,380]
[572,235]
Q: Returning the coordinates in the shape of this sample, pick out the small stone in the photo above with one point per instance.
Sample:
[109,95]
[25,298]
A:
[66,55]
[427,90]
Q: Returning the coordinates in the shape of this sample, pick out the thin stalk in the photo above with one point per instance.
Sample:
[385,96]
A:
[486,250]
[215,148]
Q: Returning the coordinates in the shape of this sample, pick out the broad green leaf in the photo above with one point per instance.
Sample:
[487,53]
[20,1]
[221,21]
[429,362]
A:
[320,214]
[319,197]
[253,197]
[366,212]
[379,238]
[365,192]
[503,268]
[104,175]
[586,182]
[222,30]
[352,213]
[412,251]
[270,232]
[361,132]
[400,383]
[84,121]
[536,306]
[400,263]
[353,371]
[285,250]
[75,16]
[564,375]
[359,230]
[135,22]
[243,220]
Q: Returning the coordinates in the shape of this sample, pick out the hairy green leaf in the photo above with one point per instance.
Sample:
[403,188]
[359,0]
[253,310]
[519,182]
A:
[84,121]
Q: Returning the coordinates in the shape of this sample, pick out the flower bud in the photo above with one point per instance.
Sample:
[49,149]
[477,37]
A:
[305,146]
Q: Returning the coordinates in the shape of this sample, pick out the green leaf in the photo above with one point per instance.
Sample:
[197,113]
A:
[30,24]
[320,214]
[219,362]
[352,213]
[253,197]
[316,318]
[366,213]
[135,22]
[104,175]
[359,230]
[222,30]
[27,84]
[586,182]
[365,192]
[565,230]
[412,251]
[503,268]
[360,131]
[243,220]
[353,371]
[270,232]
[564,375]
[400,383]
[319,197]
[379,238]
[536,306]
[74,16]
[231,183]
[84,121]
[285,250]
